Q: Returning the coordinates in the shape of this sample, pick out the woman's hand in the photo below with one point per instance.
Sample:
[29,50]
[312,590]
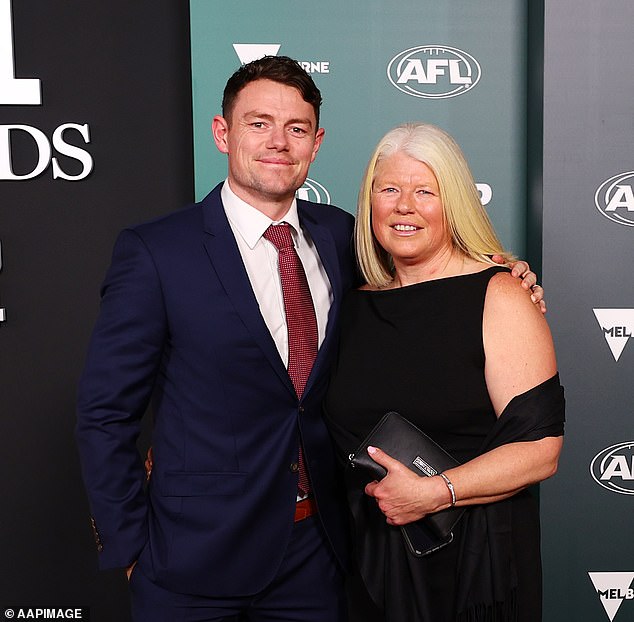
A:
[402,495]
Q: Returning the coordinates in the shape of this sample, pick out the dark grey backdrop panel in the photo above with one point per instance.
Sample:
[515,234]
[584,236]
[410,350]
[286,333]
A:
[588,514]
[121,68]
[534,132]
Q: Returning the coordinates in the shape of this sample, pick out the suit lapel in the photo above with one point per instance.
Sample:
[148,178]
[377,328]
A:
[226,261]
[325,245]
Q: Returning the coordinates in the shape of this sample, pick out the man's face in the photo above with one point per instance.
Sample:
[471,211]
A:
[270,140]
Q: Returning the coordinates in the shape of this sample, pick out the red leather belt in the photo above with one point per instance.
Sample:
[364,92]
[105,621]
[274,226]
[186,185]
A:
[305,508]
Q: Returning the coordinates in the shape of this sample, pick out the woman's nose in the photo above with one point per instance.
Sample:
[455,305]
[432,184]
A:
[403,205]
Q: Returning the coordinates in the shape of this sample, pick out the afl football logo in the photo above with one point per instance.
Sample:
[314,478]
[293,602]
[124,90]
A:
[615,199]
[434,72]
[313,191]
[613,468]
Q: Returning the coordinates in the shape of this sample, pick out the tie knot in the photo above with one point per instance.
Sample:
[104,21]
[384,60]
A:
[279,235]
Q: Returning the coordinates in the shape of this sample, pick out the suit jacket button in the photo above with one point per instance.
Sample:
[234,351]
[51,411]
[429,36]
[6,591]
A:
[294,467]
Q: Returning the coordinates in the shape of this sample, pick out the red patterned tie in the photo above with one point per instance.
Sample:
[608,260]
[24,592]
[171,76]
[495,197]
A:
[300,320]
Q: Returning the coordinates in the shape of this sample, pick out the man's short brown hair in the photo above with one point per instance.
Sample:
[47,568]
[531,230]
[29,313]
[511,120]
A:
[280,69]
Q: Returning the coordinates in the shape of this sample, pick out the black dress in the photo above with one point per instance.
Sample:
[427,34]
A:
[418,350]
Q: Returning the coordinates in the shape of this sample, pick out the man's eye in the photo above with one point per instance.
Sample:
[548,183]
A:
[257,124]
[298,130]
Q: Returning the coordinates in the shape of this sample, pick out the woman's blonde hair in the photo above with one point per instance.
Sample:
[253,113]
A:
[468,223]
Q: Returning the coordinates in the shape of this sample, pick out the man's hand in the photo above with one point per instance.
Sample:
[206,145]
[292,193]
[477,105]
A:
[129,569]
[149,463]
[529,280]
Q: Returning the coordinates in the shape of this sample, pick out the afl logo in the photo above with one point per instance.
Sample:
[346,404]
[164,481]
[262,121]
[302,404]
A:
[613,468]
[615,199]
[313,191]
[433,72]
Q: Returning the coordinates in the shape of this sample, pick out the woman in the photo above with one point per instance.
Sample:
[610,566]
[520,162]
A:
[454,344]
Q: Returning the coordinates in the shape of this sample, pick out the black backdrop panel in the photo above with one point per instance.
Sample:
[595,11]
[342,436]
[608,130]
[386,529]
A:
[123,70]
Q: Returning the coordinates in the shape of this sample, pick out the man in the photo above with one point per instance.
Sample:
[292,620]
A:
[193,316]
[196,316]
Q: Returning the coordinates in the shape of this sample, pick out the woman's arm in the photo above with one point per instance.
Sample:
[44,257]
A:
[519,356]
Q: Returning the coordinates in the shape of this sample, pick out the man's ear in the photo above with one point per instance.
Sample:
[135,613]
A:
[219,130]
[319,137]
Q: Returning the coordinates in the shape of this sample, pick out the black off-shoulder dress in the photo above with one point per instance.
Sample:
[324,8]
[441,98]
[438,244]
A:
[418,350]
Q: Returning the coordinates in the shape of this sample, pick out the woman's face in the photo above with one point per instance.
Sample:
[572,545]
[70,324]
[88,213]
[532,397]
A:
[407,214]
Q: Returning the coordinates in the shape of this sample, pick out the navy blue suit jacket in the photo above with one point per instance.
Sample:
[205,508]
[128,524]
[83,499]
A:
[180,325]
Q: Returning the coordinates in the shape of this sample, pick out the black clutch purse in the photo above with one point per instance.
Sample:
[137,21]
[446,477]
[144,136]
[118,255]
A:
[406,443]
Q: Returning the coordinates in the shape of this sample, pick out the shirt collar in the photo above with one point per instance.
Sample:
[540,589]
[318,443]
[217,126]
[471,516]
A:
[250,222]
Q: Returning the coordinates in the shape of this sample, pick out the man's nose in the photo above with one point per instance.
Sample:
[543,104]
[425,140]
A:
[278,138]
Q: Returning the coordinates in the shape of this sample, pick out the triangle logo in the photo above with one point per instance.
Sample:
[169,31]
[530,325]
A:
[618,327]
[612,588]
[252,51]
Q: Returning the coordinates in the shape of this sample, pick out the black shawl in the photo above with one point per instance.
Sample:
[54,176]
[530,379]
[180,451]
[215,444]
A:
[487,576]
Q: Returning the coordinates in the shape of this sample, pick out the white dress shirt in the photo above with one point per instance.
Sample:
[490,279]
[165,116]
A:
[260,258]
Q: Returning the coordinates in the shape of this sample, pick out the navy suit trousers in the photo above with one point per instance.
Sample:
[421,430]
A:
[308,587]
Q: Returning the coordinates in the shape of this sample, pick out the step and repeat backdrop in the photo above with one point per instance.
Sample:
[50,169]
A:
[105,115]
[588,243]
[379,64]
